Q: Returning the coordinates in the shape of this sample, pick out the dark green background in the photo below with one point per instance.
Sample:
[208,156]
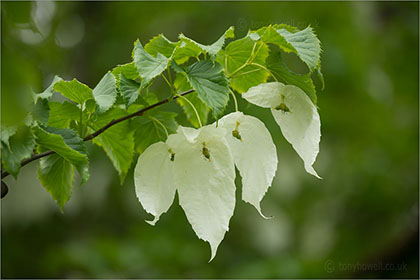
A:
[363,213]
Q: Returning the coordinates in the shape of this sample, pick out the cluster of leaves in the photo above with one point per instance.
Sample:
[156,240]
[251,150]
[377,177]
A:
[252,66]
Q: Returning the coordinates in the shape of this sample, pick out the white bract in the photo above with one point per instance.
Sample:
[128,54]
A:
[200,165]
[254,153]
[153,178]
[296,115]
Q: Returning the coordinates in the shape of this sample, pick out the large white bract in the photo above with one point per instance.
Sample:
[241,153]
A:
[200,165]
[254,153]
[296,115]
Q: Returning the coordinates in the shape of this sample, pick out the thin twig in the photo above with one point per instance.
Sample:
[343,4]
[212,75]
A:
[101,130]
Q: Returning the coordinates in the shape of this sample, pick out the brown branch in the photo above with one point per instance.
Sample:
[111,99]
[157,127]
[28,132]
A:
[101,130]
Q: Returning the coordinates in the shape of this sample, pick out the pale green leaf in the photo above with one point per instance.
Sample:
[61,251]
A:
[154,180]
[105,92]
[270,35]
[6,133]
[208,80]
[41,111]
[16,146]
[56,175]
[204,176]
[244,62]
[67,144]
[184,51]
[48,92]
[61,114]
[129,70]
[160,44]
[254,153]
[151,127]
[214,48]
[129,89]
[306,44]
[148,66]
[117,141]
[181,84]
[74,90]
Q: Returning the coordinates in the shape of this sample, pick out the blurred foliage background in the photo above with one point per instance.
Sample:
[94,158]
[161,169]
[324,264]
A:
[364,211]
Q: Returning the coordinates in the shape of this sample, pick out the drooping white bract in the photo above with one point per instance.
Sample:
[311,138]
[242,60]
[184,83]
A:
[254,153]
[295,114]
[205,175]
[199,163]
[154,180]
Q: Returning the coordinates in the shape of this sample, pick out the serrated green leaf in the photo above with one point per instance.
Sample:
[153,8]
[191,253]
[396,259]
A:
[48,92]
[6,133]
[129,70]
[214,48]
[61,114]
[160,44]
[56,175]
[283,74]
[149,128]
[269,35]
[18,146]
[105,92]
[148,66]
[181,84]
[68,145]
[129,90]
[208,80]
[117,141]
[41,111]
[184,51]
[74,90]
[242,60]
[306,44]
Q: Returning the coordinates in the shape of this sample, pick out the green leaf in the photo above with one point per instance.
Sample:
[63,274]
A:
[74,90]
[148,66]
[149,128]
[16,146]
[6,133]
[304,43]
[105,92]
[214,48]
[47,93]
[243,59]
[282,73]
[129,89]
[41,111]
[129,70]
[320,76]
[56,175]
[307,45]
[269,35]
[61,114]
[160,44]
[68,145]
[181,84]
[210,83]
[117,141]
[184,51]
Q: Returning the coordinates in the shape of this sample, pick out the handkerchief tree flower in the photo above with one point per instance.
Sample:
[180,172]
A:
[122,115]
